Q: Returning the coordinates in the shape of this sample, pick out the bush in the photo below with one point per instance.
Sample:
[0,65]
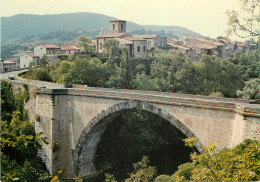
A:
[41,74]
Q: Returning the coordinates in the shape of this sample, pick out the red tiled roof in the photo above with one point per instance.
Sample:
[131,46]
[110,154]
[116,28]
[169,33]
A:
[134,38]
[31,54]
[147,36]
[73,45]
[112,35]
[124,41]
[50,46]
[178,46]
[8,62]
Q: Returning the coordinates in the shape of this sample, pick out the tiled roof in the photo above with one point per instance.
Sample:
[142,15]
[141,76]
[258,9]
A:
[112,35]
[178,46]
[124,41]
[31,54]
[134,38]
[50,46]
[73,45]
[146,36]
[8,62]
[117,20]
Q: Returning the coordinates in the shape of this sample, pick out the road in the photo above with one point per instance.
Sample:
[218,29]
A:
[5,76]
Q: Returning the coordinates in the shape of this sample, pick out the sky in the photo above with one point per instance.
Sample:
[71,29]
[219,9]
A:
[206,17]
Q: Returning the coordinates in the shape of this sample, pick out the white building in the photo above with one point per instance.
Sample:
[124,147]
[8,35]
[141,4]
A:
[41,50]
[28,58]
[7,65]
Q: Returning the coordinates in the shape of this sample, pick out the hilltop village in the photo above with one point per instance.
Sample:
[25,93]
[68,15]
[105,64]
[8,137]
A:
[138,46]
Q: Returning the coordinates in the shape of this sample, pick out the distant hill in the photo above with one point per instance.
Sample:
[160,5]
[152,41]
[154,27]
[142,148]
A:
[26,25]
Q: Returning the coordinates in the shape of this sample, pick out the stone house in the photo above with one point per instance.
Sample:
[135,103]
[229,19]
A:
[27,58]
[7,65]
[41,50]
[154,40]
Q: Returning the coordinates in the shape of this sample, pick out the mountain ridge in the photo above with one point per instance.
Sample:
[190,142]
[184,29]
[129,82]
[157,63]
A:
[26,25]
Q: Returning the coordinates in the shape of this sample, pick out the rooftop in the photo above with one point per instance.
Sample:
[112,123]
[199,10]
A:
[73,45]
[112,35]
[116,20]
[8,62]
[50,46]
[146,36]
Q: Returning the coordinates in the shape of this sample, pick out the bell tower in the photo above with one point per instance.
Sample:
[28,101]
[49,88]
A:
[117,26]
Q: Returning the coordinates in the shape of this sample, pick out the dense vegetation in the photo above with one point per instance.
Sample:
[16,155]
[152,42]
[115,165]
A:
[19,142]
[135,134]
[167,72]
[238,164]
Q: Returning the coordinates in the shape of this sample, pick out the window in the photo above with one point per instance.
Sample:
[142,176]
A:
[122,26]
[144,48]
[113,26]
[101,45]
[138,48]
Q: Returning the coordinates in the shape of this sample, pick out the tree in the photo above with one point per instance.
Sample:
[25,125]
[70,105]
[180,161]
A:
[111,57]
[251,90]
[84,42]
[142,172]
[41,74]
[111,43]
[44,62]
[238,164]
[246,23]
[125,64]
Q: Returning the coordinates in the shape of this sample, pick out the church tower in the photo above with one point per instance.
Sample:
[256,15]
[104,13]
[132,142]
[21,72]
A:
[117,26]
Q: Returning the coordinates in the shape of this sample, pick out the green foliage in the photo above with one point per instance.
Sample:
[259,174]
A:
[19,143]
[144,82]
[88,72]
[111,43]
[249,64]
[84,42]
[59,70]
[238,164]
[44,62]
[37,117]
[164,178]
[8,104]
[109,177]
[143,172]
[184,172]
[41,74]
[251,90]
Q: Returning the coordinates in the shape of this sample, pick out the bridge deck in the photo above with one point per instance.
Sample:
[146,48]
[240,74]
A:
[240,106]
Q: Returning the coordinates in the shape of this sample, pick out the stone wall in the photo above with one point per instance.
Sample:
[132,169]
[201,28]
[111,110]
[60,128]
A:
[143,52]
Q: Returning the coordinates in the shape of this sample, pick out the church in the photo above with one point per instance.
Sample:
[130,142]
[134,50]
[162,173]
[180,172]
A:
[137,45]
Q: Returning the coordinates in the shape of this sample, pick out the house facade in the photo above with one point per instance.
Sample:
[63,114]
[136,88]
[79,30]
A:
[41,50]
[27,58]
[7,65]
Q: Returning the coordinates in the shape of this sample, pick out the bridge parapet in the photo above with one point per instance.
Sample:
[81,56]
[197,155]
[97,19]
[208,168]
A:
[236,105]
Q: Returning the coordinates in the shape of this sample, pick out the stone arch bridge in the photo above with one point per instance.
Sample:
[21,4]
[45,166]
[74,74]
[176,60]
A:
[75,119]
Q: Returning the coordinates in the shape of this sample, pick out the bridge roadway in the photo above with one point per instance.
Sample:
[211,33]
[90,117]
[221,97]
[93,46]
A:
[240,106]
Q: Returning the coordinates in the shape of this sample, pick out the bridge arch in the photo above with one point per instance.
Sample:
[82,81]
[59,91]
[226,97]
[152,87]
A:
[84,152]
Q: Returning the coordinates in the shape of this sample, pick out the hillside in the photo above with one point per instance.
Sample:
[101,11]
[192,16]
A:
[26,25]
